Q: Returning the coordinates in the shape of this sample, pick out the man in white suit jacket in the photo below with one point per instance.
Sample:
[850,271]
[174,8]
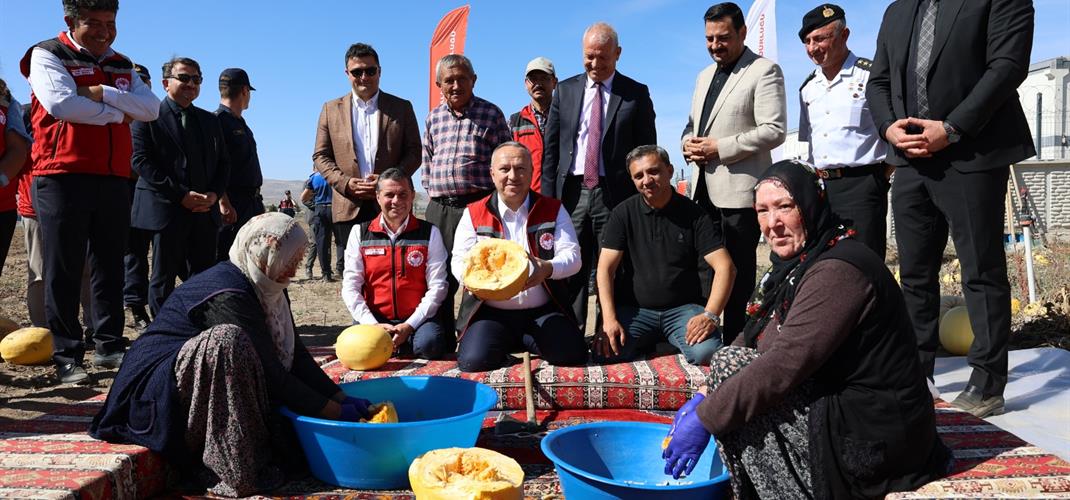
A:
[738,115]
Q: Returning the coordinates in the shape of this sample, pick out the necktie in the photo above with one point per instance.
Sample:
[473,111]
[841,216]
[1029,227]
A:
[183,115]
[925,50]
[594,140]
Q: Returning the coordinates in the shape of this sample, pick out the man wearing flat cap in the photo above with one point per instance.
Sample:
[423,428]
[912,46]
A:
[529,123]
[243,192]
[834,119]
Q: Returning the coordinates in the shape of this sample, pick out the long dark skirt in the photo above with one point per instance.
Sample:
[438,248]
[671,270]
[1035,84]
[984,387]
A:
[769,457]
[221,384]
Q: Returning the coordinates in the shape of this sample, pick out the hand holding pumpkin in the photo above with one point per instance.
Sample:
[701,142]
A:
[542,271]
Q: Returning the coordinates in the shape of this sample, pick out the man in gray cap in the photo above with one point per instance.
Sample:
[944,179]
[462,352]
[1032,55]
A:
[528,124]
[243,192]
[834,118]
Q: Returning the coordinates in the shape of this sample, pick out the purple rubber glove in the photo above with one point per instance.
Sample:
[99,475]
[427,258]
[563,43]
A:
[360,405]
[350,413]
[686,441]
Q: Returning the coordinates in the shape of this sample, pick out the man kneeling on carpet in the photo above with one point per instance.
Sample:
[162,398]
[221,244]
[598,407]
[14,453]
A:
[823,395]
[660,237]
[395,272]
[536,319]
[202,384]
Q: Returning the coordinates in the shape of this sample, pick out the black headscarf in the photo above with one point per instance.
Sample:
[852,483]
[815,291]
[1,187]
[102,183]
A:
[776,290]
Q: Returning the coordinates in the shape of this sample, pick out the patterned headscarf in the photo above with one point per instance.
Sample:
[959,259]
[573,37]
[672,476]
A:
[776,290]
[268,249]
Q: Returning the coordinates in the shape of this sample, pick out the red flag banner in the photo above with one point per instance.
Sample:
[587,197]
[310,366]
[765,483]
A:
[448,39]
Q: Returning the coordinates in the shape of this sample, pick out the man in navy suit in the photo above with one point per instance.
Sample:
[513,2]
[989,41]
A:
[183,169]
[942,91]
[583,156]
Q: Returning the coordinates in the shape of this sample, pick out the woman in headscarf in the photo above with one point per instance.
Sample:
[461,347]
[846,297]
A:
[823,395]
[201,384]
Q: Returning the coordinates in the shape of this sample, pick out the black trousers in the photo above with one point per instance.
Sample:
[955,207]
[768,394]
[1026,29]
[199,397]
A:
[184,248]
[928,204]
[494,333]
[248,203]
[136,264]
[445,218]
[322,229]
[77,213]
[590,210]
[862,200]
[741,233]
[7,231]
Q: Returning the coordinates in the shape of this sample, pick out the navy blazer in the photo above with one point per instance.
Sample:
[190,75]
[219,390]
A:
[160,164]
[629,123]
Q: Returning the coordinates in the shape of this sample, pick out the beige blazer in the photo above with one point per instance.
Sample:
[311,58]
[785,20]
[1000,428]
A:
[748,120]
[335,158]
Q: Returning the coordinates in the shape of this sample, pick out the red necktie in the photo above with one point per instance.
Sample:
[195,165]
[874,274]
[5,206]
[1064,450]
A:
[594,140]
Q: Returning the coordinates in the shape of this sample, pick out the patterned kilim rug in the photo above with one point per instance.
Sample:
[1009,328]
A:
[52,457]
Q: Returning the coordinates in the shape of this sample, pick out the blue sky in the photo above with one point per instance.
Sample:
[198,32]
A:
[294,51]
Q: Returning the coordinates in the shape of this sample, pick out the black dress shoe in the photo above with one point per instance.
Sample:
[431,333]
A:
[70,373]
[139,317]
[113,360]
[971,400]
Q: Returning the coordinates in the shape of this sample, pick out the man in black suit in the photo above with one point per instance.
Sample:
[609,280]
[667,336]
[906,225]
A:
[586,170]
[183,169]
[943,93]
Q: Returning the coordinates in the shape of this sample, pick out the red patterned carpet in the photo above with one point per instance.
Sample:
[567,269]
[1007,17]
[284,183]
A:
[52,457]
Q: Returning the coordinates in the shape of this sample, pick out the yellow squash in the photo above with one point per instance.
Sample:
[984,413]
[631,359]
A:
[466,474]
[497,269]
[363,347]
[382,413]
[27,346]
[956,334]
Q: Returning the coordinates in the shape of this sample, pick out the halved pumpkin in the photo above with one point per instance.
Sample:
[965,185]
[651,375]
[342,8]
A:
[466,474]
[382,413]
[497,269]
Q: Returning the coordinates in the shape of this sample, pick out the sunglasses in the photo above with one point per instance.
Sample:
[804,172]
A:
[359,72]
[195,79]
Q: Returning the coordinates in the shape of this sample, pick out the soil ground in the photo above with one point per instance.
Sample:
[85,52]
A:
[30,391]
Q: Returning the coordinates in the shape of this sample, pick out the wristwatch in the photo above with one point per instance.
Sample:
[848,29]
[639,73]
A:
[953,135]
[712,317]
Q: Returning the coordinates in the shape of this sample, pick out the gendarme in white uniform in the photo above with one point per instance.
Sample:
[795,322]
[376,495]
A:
[834,117]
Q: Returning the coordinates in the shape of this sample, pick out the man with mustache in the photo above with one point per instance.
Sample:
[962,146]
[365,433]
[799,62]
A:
[460,136]
[529,124]
[738,115]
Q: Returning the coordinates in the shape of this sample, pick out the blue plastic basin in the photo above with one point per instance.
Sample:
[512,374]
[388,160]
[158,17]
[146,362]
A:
[434,412]
[623,460]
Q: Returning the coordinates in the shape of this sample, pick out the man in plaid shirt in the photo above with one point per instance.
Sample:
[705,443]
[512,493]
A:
[461,133]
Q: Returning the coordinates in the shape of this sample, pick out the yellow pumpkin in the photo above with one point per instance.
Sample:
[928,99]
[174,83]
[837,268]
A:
[27,346]
[497,269]
[363,347]
[382,413]
[7,326]
[956,334]
[466,474]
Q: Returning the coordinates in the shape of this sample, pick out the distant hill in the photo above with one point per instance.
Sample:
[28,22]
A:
[274,189]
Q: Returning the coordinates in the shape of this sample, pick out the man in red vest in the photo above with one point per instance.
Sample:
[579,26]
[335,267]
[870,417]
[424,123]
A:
[536,319]
[395,272]
[84,96]
[529,123]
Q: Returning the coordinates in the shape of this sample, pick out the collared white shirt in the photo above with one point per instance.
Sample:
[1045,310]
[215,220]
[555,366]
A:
[353,277]
[580,156]
[566,261]
[365,118]
[834,118]
[55,89]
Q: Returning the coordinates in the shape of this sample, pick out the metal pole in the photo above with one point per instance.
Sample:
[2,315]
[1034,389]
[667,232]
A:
[1040,135]
[1028,238]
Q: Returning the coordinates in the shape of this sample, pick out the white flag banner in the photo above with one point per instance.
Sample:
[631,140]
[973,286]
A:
[761,39]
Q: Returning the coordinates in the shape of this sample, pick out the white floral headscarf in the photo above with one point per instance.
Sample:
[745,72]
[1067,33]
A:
[268,249]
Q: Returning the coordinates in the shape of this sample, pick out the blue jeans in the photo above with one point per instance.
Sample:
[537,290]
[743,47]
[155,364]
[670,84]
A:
[645,327]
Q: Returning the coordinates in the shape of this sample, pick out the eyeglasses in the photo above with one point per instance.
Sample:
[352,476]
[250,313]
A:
[184,78]
[359,72]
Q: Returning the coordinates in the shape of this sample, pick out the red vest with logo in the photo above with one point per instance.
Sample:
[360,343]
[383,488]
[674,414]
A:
[7,193]
[395,272]
[541,226]
[62,147]
[526,131]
